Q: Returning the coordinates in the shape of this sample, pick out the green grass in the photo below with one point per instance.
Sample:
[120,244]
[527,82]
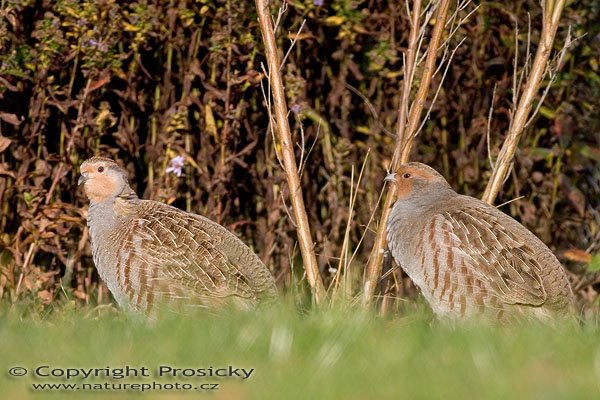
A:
[324,354]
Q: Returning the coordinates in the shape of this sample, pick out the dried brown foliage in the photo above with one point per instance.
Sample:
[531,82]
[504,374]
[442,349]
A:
[147,81]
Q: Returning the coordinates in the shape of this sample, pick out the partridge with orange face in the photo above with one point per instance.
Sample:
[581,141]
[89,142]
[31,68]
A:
[152,255]
[467,257]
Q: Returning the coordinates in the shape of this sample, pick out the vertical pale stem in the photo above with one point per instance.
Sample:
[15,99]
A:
[409,67]
[284,137]
[552,12]
[403,147]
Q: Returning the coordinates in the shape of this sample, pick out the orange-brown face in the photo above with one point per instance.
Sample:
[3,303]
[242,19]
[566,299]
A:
[413,176]
[101,178]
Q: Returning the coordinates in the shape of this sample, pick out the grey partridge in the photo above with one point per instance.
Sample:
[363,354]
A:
[153,256]
[467,257]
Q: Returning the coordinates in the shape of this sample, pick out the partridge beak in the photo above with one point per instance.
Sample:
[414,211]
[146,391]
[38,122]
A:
[82,179]
[390,177]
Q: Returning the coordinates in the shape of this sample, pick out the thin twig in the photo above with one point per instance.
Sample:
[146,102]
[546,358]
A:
[344,260]
[287,53]
[439,88]
[516,86]
[489,124]
[553,71]
[303,162]
[510,201]
[282,10]
[421,96]
[370,107]
[271,128]
[369,222]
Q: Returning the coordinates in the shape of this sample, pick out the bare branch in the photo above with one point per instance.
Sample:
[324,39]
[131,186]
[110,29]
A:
[552,11]
[409,68]
[282,10]
[421,96]
[287,152]
[406,130]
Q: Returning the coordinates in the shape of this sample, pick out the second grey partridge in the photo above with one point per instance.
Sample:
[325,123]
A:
[153,255]
[467,257]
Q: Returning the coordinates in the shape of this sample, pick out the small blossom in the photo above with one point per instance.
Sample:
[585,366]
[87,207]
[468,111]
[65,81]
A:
[94,43]
[318,3]
[175,166]
[296,108]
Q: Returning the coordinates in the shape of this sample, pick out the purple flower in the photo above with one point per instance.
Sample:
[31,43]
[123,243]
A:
[296,108]
[318,3]
[94,43]
[175,166]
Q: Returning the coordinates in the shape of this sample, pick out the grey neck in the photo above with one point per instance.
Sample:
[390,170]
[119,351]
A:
[103,215]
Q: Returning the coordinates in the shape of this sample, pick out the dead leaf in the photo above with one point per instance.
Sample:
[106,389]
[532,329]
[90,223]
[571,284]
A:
[578,255]
[10,118]
[334,20]
[52,212]
[4,143]
[102,80]
[45,296]
[209,121]
[4,171]
[300,36]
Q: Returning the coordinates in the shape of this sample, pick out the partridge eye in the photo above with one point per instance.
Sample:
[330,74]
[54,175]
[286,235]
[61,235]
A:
[100,169]
[406,175]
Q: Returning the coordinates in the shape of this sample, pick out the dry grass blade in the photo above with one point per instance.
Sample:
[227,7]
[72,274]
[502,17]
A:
[345,258]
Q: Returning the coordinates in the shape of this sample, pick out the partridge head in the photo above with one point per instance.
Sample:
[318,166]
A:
[467,257]
[153,256]
[102,179]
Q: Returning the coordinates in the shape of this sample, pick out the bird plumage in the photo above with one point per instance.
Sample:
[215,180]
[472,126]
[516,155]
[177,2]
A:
[153,255]
[467,257]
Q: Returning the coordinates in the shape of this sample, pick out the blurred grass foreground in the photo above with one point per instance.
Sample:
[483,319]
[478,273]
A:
[152,82]
[334,354]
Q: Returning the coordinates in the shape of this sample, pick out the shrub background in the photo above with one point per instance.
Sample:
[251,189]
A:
[147,81]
